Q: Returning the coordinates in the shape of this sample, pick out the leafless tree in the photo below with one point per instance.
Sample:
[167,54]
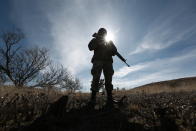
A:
[51,76]
[31,67]
[77,84]
[20,65]
[28,64]
[71,84]
[8,49]
[2,78]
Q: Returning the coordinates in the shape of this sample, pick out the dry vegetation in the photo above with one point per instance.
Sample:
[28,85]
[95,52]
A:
[20,106]
[178,85]
[41,109]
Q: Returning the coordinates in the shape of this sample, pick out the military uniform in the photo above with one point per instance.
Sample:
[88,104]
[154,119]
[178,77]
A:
[102,61]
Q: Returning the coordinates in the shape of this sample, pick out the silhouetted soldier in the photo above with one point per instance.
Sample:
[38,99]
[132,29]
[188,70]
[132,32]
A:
[102,61]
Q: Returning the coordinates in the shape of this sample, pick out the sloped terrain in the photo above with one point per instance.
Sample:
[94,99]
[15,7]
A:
[177,85]
[165,111]
[39,110]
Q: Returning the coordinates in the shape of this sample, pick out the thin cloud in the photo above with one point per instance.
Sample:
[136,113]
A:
[122,72]
[70,25]
[161,40]
[169,28]
[145,79]
[163,69]
[167,74]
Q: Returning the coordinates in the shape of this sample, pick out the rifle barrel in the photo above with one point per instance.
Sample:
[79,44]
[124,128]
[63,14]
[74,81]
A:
[123,59]
[127,64]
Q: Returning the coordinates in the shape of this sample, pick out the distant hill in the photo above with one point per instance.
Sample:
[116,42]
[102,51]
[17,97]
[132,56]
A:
[176,85]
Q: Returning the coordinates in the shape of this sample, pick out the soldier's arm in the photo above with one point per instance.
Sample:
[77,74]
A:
[114,49]
[92,45]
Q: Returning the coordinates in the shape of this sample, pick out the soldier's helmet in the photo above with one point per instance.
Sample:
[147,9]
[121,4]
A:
[102,32]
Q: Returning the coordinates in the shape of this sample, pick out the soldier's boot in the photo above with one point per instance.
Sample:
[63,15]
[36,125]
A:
[110,100]
[93,97]
[92,102]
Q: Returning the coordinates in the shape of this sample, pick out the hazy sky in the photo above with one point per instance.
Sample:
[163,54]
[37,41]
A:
[158,37]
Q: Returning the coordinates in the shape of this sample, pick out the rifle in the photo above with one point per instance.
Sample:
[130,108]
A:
[123,59]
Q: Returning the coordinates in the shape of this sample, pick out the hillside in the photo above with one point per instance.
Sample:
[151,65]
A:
[176,85]
[28,109]
[156,112]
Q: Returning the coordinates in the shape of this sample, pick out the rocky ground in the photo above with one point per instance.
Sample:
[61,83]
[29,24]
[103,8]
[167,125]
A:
[164,111]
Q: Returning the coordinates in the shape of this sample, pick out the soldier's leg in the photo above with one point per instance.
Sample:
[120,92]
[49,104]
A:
[96,73]
[108,73]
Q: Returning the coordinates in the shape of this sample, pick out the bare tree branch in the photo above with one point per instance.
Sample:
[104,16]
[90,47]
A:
[31,66]
[71,84]
[28,64]
[21,66]
[8,50]
[51,77]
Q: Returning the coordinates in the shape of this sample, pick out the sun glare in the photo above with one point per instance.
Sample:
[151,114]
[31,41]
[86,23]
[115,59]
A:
[109,37]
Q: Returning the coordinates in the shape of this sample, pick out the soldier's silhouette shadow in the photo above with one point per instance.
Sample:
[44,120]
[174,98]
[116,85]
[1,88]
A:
[57,118]
[82,119]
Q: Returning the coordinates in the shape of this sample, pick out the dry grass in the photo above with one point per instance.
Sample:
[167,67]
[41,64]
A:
[12,90]
[148,105]
[178,85]
[20,106]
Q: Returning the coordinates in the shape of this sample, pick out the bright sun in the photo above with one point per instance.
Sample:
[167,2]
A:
[109,36]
